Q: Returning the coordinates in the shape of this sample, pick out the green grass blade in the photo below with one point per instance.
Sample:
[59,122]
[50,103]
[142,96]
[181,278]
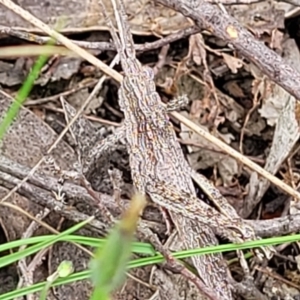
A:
[137,247]
[22,94]
[149,260]
[111,261]
[26,88]
[13,257]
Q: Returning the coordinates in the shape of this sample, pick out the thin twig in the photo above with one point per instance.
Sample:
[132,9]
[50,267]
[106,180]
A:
[103,46]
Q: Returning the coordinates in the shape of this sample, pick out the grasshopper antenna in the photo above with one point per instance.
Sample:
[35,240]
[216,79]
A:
[122,24]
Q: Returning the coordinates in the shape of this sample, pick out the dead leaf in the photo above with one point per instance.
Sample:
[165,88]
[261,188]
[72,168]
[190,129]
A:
[196,49]
[233,63]
[276,39]
[280,109]
[260,18]
[197,108]
[234,89]
[228,168]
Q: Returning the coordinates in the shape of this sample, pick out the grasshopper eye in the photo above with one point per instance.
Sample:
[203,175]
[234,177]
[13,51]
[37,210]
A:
[148,72]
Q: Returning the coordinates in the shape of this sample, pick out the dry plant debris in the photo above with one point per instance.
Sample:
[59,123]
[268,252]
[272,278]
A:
[221,69]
